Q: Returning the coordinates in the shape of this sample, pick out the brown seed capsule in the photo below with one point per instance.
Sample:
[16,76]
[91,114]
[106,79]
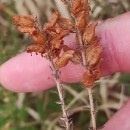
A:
[85,6]
[88,79]
[36,48]
[64,59]
[66,24]
[97,70]
[38,37]
[24,21]
[52,21]
[76,7]
[55,47]
[82,20]
[25,29]
[93,74]
[66,48]
[63,33]
[93,54]
[76,59]
[89,33]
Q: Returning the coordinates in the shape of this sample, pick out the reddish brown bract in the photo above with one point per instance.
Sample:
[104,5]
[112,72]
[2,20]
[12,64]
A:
[24,21]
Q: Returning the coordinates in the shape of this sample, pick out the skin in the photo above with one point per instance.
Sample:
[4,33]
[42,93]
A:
[24,73]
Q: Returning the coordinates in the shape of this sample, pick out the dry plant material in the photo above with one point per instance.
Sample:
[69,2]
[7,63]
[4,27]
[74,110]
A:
[49,42]
[89,47]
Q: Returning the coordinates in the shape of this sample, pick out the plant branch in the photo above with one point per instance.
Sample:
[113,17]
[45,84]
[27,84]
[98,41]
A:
[56,75]
[84,63]
[93,116]
[89,89]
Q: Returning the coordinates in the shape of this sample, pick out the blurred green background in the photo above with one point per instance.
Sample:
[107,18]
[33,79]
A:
[38,111]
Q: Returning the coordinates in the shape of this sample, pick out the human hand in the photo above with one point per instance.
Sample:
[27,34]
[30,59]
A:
[24,73]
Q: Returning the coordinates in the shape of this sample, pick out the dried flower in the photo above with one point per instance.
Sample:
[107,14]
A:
[77,58]
[37,49]
[24,21]
[82,20]
[38,37]
[55,47]
[52,21]
[64,59]
[66,24]
[88,79]
[25,29]
[76,6]
[93,54]
[89,33]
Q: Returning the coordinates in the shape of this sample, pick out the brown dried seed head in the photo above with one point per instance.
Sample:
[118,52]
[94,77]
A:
[63,33]
[25,29]
[82,20]
[38,37]
[36,48]
[93,74]
[66,24]
[93,54]
[53,20]
[56,47]
[88,79]
[66,48]
[76,7]
[64,59]
[80,5]
[97,70]
[24,21]
[56,43]
[85,6]
[89,33]
[77,58]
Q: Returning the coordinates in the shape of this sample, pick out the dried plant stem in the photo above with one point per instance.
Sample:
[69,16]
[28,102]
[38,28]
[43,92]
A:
[56,75]
[93,116]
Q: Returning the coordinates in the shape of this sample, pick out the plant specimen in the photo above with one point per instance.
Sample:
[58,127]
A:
[48,41]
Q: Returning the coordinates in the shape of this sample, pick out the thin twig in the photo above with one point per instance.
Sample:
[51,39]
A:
[93,113]
[89,89]
[56,76]
[84,63]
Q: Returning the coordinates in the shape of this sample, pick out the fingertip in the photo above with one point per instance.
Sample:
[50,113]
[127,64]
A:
[25,73]
[120,121]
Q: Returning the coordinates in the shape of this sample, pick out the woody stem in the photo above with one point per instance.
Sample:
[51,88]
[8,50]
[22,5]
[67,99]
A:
[56,75]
